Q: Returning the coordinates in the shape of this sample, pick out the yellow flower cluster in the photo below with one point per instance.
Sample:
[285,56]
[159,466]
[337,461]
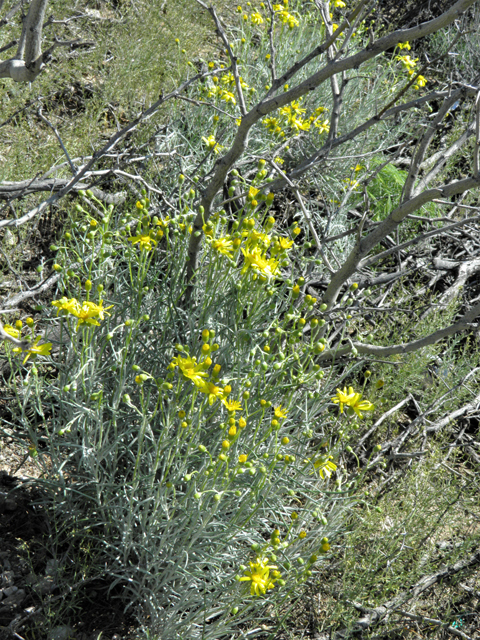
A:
[212,144]
[285,17]
[87,312]
[262,252]
[409,65]
[196,372]
[222,94]
[291,116]
[408,62]
[255,259]
[15,333]
[146,240]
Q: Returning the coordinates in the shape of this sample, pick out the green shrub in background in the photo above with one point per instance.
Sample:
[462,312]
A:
[202,397]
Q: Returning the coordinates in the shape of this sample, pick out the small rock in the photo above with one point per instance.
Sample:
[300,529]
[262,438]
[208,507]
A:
[9,590]
[63,632]
[15,599]
[30,579]
[7,576]
[52,567]
[6,503]
[9,239]
[45,587]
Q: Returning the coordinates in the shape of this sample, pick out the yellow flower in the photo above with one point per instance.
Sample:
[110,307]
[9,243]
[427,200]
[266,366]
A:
[212,144]
[286,17]
[163,224]
[324,466]
[15,333]
[408,62]
[35,349]
[339,4]
[299,124]
[252,192]
[228,97]
[256,18]
[242,458]
[404,45]
[257,262]
[145,241]
[255,237]
[191,369]
[280,412]
[343,397]
[207,230]
[212,391]
[323,126]
[224,246]
[293,108]
[271,124]
[420,82]
[358,405]
[285,243]
[259,576]
[354,184]
[318,112]
[353,401]
[87,312]
[228,78]
[232,405]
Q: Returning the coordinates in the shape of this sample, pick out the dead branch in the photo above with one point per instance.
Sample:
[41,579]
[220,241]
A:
[13,190]
[383,612]
[111,144]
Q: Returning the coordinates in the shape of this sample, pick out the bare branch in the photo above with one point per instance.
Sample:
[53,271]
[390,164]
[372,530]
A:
[476,155]
[112,142]
[419,155]
[383,611]
[464,324]
[33,28]
[420,238]
[356,258]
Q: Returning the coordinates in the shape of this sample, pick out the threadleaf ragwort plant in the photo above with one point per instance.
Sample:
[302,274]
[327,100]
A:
[204,335]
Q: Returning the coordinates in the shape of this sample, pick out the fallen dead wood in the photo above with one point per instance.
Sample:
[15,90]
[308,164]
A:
[11,190]
[384,611]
